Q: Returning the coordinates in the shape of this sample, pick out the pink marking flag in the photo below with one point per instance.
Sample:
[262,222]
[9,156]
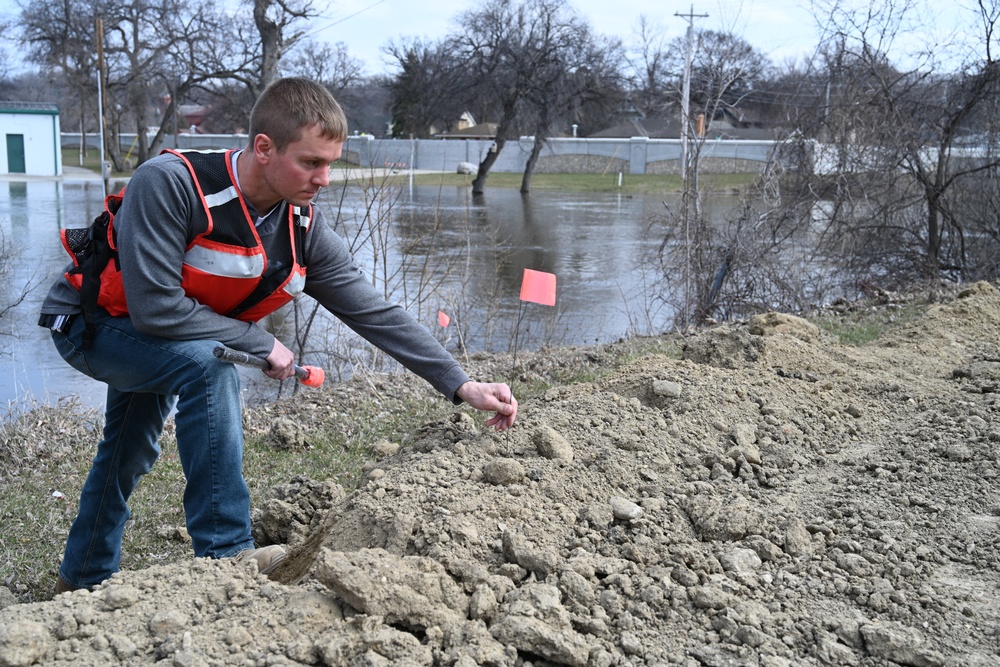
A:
[538,287]
[443,318]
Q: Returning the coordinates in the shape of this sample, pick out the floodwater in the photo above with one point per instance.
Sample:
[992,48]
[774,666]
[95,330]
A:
[439,249]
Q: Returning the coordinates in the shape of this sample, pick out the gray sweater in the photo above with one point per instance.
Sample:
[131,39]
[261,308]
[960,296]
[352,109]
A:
[158,219]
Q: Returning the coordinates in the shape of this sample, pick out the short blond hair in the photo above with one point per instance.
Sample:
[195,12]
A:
[289,105]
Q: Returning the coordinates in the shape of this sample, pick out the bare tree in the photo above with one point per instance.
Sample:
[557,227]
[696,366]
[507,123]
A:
[156,52]
[60,39]
[6,28]
[913,151]
[651,75]
[697,257]
[894,179]
[328,64]
[581,82]
[159,51]
[519,57]
[725,71]
[425,87]
[334,67]
[277,23]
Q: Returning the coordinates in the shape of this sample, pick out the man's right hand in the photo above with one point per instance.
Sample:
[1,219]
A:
[282,362]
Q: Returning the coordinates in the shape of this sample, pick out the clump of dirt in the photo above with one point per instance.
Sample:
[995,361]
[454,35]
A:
[772,499]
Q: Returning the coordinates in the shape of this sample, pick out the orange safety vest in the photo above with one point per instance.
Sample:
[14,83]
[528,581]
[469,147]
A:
[225,266]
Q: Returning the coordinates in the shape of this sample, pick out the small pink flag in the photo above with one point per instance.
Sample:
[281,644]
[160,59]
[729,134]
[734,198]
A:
[443,318]
[538,287]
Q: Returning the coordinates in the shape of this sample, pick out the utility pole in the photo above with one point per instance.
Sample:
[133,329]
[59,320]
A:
[100,98]
[686,92]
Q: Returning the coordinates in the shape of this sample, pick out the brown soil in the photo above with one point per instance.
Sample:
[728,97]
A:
[773,499]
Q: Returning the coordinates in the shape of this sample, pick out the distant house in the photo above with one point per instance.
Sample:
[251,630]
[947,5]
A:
[653,128]
[733,123]
[480,131]
[31,142]
[727,124]
[194,115]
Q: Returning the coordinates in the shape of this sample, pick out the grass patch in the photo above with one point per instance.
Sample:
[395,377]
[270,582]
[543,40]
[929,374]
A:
[858,327]
[91,161]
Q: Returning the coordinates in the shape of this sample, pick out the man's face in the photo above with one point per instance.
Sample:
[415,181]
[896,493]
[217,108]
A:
[297,173]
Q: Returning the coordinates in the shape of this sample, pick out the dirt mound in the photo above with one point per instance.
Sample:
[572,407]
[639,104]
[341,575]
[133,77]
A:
[771,499]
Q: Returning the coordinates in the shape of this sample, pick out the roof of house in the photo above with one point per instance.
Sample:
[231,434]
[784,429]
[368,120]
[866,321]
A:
[11,106]
[654,128]
[480,131]
[670,128]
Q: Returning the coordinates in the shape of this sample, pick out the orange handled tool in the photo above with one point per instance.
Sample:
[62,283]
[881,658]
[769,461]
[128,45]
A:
[310,376]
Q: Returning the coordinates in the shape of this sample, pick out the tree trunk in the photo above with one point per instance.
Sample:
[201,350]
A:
[141,152]
[933,232]
[270,44]
[529,166]
[168,122]
[479,182]
[112,144]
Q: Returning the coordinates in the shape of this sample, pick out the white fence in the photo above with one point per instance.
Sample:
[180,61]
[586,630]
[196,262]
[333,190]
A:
[635,155]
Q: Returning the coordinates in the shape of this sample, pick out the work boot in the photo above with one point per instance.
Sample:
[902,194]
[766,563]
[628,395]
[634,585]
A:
[63,587]
[267,558]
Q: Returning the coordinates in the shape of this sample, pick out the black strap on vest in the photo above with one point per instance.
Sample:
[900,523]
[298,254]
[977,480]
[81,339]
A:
[93,247]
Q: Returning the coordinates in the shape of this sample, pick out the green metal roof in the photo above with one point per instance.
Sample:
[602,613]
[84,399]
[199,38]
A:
[8,106]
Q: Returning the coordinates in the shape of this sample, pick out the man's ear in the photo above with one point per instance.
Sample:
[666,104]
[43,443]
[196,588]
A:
[263,147]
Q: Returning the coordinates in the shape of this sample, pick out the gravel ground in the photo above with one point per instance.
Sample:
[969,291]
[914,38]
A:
[771,499]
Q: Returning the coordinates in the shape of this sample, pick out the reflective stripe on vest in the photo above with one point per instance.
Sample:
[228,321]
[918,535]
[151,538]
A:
[225,263]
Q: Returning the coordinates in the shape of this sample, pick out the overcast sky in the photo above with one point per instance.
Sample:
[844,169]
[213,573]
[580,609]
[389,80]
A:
[777,27]
[782,29]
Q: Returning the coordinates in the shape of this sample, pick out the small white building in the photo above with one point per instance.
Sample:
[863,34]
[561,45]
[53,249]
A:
[29,139]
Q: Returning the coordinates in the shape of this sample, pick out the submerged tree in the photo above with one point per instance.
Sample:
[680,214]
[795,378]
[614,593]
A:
[650,72]
[524,62]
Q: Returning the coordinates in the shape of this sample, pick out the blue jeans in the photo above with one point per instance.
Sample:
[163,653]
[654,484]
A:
[145,374]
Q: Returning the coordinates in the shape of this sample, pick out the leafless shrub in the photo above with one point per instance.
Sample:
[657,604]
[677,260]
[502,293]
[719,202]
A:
[16,288]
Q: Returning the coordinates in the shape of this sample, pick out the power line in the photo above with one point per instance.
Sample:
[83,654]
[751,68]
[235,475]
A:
[341,20]
[360,11]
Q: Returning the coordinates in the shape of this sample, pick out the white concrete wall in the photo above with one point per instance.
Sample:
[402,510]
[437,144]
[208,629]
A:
[640,153]
[42,144]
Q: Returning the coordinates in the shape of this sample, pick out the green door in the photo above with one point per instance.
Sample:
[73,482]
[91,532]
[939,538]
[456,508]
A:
[15,154]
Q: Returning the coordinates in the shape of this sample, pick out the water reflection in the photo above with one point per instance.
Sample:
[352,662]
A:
[31,215]
[18,193]
[443,250]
